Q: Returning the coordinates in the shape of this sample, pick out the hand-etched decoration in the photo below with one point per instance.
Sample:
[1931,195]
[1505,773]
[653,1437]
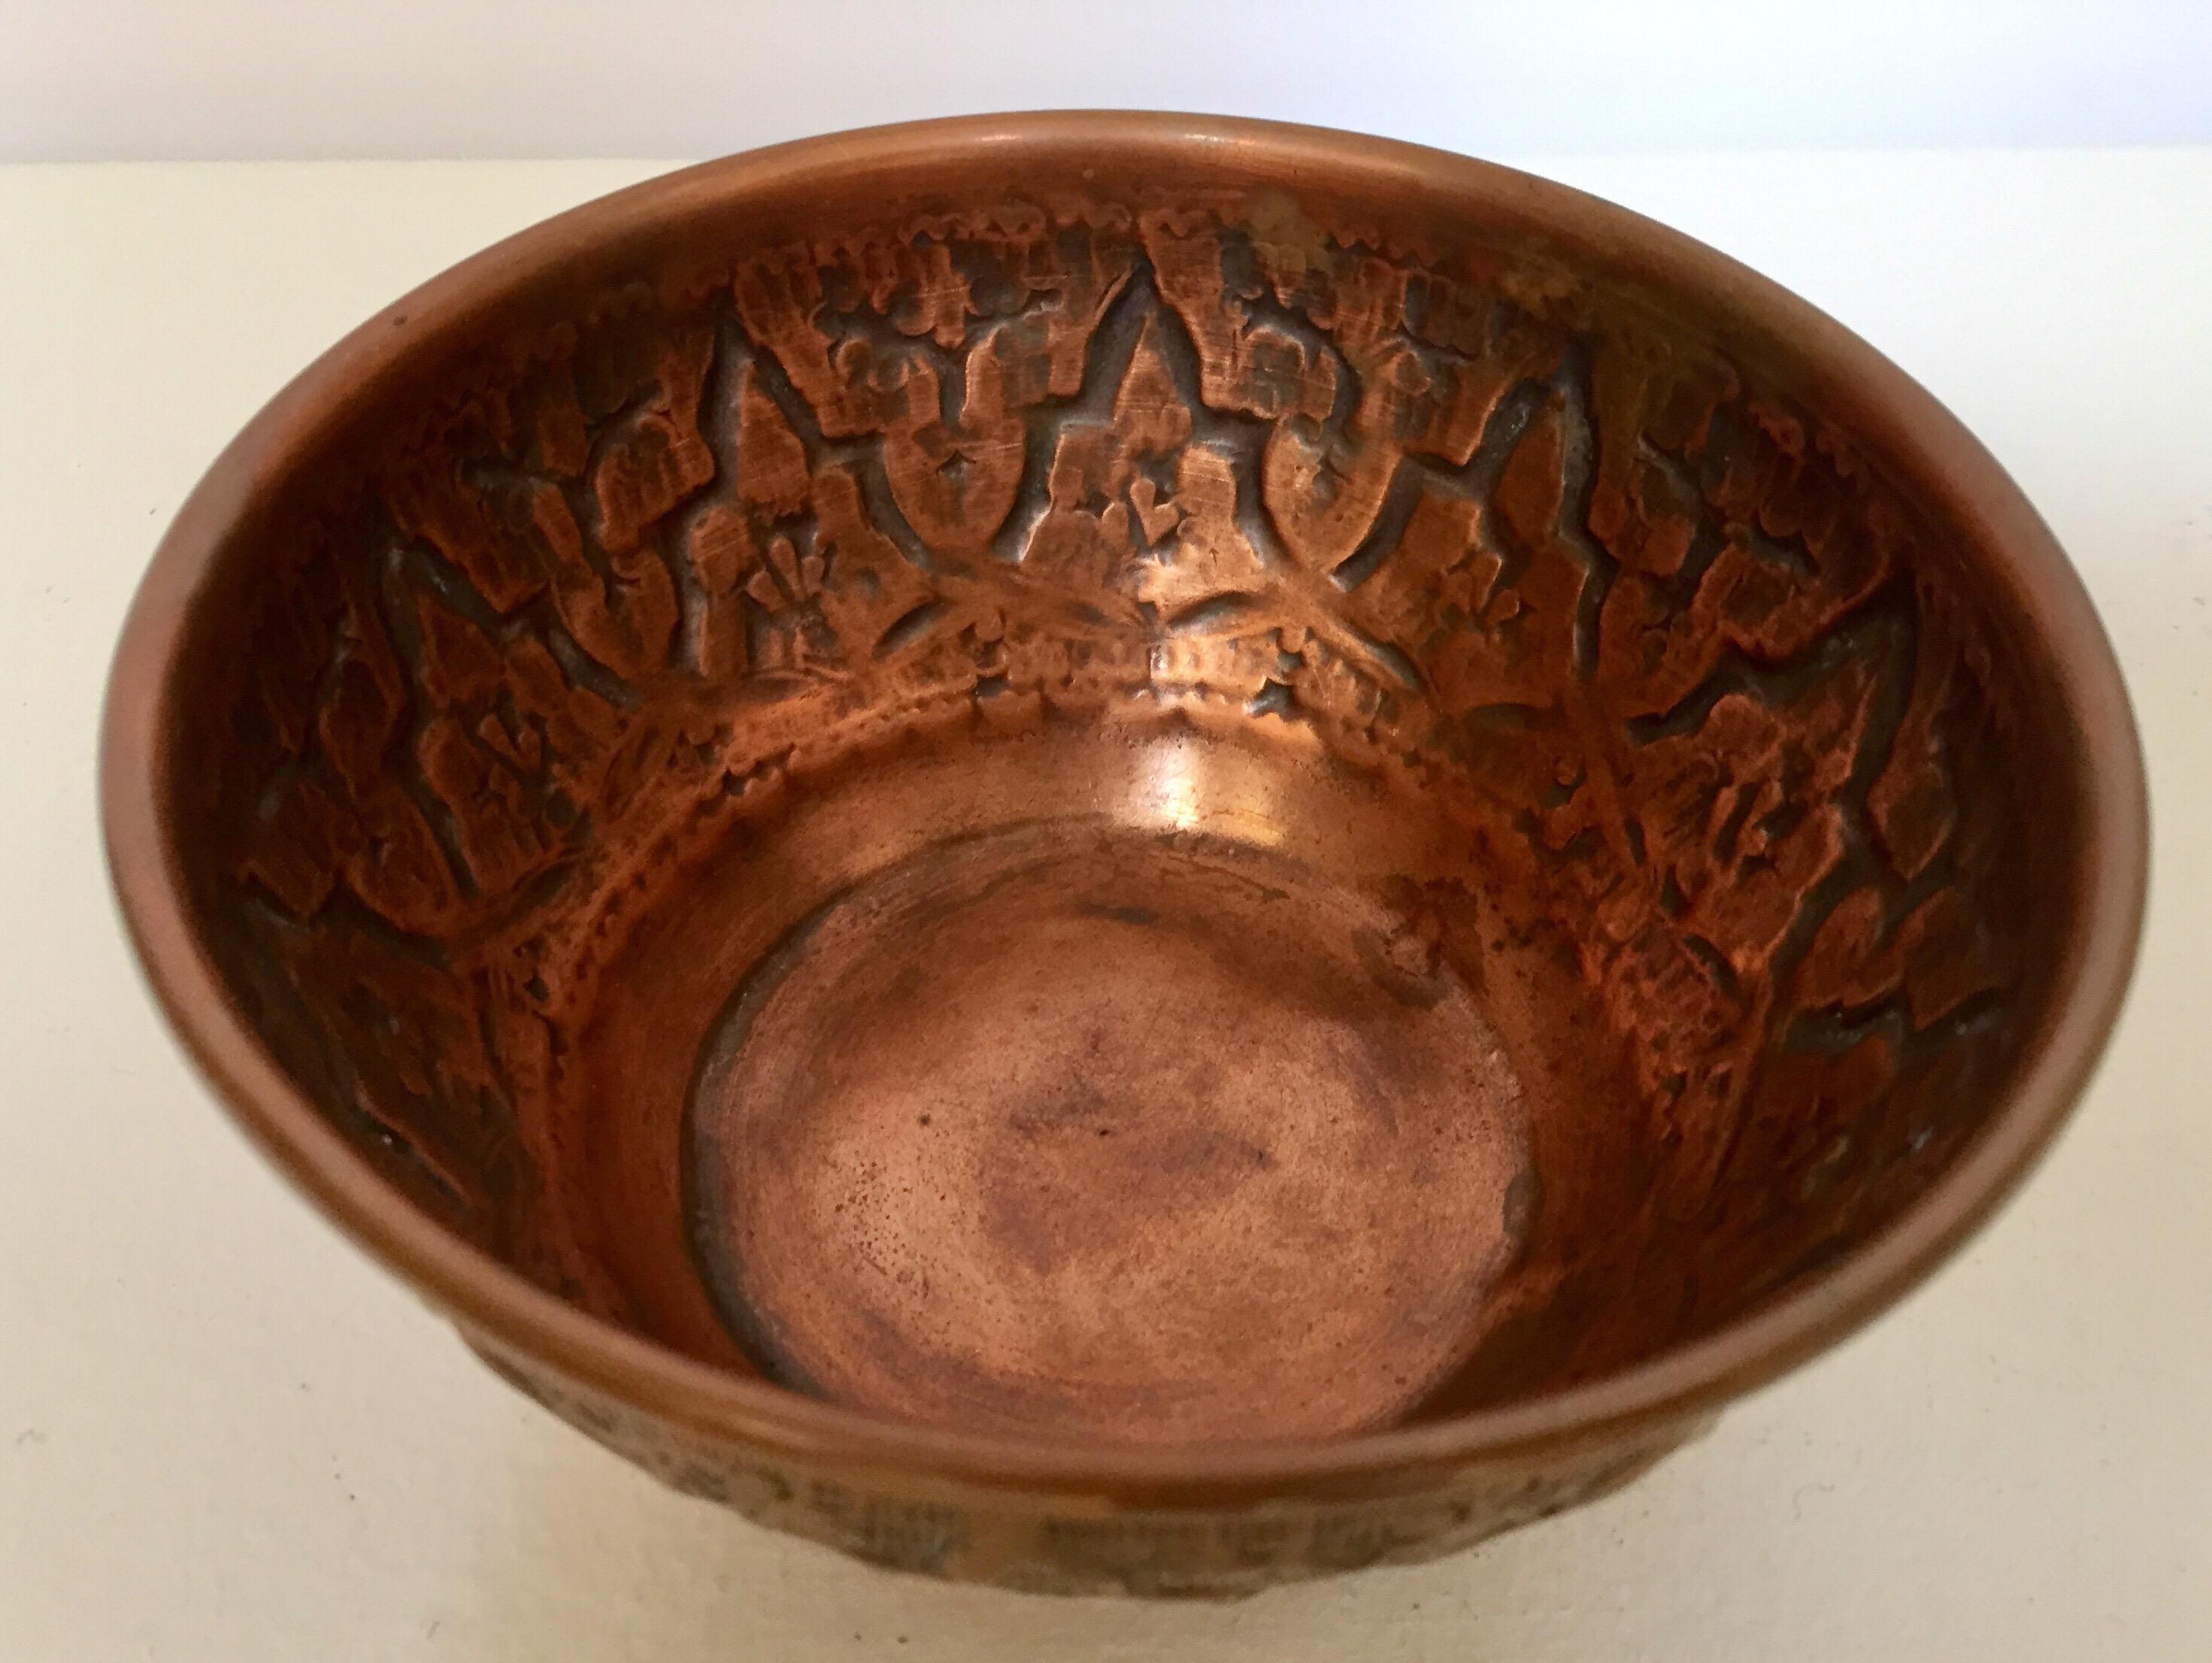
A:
[1672,655]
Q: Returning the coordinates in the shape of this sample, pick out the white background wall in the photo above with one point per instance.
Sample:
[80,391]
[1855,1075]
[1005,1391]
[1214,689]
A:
[130,79]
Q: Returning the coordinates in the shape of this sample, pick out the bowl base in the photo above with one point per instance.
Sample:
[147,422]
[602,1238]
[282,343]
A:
[1073,1125]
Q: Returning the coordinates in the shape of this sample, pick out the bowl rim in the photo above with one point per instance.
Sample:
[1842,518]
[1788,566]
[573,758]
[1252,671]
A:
[497,1307]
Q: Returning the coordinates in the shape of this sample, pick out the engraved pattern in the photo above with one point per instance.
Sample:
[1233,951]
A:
[992,1536]
[1674,654]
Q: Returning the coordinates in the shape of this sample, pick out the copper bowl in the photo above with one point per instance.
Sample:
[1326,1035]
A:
[1126,851]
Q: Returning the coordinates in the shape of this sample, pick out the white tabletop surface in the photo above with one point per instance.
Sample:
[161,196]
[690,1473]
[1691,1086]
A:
[224,1435]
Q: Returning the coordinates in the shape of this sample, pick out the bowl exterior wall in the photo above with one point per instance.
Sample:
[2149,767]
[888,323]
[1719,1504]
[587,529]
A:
[1036,1540]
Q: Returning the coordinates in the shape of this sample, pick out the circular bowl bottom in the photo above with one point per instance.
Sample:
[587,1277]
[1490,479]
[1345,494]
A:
[1154,1135]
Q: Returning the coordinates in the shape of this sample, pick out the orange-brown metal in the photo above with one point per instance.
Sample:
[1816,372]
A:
[1127,851]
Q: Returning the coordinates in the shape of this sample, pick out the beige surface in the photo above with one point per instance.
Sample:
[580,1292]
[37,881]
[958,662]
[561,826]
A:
[224,1434]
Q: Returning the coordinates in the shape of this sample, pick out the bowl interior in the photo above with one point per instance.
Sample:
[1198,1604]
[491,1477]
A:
[1104,795]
